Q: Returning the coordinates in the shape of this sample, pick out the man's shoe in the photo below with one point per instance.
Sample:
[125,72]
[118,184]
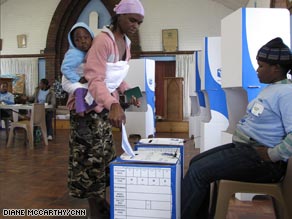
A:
[50,138]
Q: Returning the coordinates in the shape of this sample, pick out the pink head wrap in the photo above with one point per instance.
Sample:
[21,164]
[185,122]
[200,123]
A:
[129,7]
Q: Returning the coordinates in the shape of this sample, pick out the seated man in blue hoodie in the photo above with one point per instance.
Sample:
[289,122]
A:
[73,81]
[5,98]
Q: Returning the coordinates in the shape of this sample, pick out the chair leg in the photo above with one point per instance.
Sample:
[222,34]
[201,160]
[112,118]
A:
[213,198]
[29,133]
[10,137]
[6,121]
[280,208]
[276,207]
[223,198]
[44,134]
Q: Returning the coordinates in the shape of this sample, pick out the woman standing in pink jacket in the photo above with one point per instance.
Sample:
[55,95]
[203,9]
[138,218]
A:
[105,68]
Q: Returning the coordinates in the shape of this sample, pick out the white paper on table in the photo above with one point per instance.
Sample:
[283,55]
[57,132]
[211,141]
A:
[125,143]
[162,141]
[152,157]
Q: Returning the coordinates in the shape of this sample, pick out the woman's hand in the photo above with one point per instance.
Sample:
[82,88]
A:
[134,101]
[116,115]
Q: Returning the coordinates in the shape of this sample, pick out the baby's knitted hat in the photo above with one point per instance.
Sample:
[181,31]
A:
[275,52]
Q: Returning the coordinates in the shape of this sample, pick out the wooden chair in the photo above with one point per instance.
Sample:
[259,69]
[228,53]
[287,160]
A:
[281,192]
[37,119]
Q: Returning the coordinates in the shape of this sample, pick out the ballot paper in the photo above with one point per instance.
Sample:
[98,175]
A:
[152,157]
[125,143]
[162,141]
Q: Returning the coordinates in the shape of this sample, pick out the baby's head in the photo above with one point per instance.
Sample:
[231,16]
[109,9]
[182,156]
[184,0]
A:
[81,39]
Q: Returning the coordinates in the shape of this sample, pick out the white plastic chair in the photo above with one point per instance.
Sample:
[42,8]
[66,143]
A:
[37,118]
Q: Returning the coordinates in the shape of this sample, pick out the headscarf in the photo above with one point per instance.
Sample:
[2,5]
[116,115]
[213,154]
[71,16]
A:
[129,7]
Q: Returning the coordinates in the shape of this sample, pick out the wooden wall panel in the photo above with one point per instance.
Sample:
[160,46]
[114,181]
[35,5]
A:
[173,98]
[162,69]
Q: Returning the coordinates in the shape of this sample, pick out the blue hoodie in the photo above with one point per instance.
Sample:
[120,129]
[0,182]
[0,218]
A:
[74,57]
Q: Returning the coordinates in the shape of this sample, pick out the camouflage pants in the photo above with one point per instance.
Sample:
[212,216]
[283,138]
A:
[90,155]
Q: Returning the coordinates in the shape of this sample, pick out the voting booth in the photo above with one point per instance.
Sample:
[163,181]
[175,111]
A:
[147,186]
[213,94]
[200,111]
[142,120]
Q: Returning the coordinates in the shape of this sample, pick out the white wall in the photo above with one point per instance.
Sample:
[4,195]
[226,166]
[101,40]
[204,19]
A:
[193,19]
[30,17]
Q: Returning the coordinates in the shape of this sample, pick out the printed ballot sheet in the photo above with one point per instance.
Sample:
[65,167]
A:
[142,192]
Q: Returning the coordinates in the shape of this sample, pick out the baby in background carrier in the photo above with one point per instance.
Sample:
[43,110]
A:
[73,81]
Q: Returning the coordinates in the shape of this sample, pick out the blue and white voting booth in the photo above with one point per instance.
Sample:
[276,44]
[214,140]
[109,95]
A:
[200,111]
[147,186]
[243,33]
[142,120]
[213,93]
[194,87]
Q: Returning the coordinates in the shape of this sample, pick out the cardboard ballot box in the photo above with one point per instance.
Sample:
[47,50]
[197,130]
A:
[167,145]
[146,186]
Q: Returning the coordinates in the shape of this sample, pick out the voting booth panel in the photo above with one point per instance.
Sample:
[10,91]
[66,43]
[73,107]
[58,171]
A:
[214,96]
[200,111]
[142,120]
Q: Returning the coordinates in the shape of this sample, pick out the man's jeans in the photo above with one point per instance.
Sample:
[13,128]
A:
[239,162]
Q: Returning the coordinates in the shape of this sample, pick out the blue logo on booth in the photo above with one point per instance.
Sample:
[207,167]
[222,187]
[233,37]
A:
[150,81]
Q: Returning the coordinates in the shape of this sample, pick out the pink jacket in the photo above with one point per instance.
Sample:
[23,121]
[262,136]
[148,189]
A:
[103,50]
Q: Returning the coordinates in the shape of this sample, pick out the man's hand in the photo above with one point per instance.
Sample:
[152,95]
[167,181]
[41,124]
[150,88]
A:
[263,153]
[116,115]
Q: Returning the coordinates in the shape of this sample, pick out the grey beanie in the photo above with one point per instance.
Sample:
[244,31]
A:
[275,52]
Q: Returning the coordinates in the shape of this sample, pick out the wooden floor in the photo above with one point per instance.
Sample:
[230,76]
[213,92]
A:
[36,179]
